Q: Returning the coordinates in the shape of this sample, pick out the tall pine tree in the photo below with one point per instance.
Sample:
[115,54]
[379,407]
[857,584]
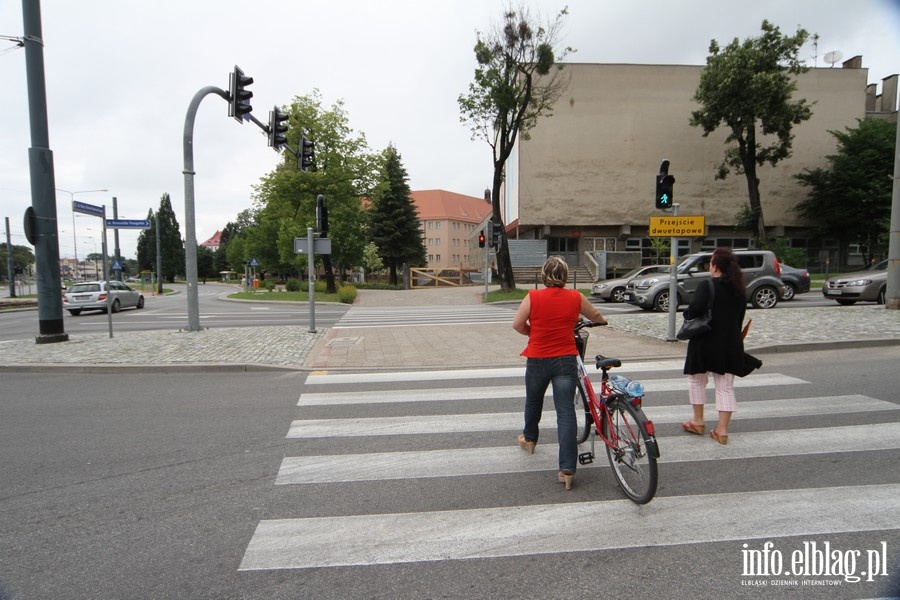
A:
[395,221]
[171,244]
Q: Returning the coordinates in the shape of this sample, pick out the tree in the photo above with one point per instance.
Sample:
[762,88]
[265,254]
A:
[748,87]
[206,263]
[171,244]
[515,84]
[851,200]
[345,171]
[394,219]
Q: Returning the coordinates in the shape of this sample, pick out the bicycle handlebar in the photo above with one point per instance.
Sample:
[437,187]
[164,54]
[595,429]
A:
[585,324]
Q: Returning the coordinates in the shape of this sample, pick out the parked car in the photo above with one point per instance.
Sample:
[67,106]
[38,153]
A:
[613,290]
[869,285]
[796,281]
[132,279]
[91,295]
[762,274]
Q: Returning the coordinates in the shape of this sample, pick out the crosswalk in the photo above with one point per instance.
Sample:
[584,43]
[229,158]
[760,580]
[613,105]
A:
[387,429]
[406,316]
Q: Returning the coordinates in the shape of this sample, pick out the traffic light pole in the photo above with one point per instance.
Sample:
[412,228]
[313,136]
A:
[673,282]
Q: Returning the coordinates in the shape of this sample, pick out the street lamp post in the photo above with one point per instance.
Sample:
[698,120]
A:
[72,206]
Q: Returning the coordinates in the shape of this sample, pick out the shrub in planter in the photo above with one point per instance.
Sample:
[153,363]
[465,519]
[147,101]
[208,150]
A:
[347,294]
[292,285]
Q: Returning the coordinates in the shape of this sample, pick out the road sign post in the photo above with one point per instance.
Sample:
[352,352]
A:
[311,246]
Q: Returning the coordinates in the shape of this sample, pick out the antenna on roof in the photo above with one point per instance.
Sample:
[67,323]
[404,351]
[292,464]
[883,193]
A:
[833,57]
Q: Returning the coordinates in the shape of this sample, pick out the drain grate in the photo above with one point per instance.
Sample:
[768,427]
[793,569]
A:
[344,341]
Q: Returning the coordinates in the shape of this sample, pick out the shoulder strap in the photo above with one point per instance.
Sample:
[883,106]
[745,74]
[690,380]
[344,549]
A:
[712,293]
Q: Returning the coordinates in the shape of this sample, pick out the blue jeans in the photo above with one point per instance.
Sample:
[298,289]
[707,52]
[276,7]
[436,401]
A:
[562,372]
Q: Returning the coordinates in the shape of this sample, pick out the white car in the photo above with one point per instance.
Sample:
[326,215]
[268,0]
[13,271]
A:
[92,295]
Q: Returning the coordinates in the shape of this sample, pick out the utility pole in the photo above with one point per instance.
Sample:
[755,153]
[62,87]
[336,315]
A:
[42,216]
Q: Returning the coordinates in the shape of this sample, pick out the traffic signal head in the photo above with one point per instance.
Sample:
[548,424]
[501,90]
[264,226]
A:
[321,215]
[481,239]
[664,191]
[238,95]
[307,154]
[277,128]
[496,232]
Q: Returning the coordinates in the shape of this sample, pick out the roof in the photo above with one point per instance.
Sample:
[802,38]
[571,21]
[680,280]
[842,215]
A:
[441,204]
[215,240]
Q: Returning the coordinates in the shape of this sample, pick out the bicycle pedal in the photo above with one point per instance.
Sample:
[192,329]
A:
[586,458]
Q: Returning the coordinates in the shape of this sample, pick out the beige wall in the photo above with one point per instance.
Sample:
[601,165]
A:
[449,239]
[594,161]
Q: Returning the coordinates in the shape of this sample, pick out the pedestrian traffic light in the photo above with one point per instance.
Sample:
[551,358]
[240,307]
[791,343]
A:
[321,216]
[277,128]
[481,239]
[664,193]
[307,154]
[496,233]
[238,95]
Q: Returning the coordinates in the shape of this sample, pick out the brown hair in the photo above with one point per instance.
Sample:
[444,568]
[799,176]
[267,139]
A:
[555,272]
[727,264]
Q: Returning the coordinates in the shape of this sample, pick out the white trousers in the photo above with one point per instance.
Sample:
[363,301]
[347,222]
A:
[725,399]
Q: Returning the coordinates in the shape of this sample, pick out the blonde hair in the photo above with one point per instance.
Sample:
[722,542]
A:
[555,272]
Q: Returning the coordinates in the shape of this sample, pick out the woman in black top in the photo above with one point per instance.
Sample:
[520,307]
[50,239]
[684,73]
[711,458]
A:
[720,351]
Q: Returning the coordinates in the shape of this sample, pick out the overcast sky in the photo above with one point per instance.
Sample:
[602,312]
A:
[121,73]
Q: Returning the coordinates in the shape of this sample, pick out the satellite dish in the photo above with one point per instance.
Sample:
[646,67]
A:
[833,57]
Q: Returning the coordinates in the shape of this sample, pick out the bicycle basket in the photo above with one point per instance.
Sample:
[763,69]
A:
[581,338]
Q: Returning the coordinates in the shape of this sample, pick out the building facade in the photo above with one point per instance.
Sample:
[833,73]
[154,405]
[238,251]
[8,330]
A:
[585,180]
[448,222]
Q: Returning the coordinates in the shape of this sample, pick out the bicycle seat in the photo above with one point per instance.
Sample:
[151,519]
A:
[607,363]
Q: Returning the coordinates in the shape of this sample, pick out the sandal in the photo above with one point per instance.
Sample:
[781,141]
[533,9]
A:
[722,439]
[693,428]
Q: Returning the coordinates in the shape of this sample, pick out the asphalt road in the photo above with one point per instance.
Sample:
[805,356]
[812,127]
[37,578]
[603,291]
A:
[148,486]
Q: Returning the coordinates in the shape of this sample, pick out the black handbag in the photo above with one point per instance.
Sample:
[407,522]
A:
[691,328]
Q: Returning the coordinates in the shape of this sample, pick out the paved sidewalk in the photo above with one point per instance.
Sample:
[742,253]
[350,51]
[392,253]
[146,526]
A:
[629,336]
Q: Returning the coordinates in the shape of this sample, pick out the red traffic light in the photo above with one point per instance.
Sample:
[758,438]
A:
[481,239]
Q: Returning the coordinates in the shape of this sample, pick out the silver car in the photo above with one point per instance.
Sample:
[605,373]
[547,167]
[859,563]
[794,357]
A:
[613,290]
[848,288]
[92,295]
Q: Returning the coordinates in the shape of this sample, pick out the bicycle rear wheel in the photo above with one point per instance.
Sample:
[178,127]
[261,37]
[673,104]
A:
[583,418]
[630,458]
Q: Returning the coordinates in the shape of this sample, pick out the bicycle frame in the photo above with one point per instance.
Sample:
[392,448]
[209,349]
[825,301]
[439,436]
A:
[598,403]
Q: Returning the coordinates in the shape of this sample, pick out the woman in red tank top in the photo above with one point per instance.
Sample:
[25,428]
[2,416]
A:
[548,316]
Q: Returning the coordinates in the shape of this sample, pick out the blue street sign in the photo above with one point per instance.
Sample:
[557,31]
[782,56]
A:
[254,262]
[116,266]
[90,209]
[128,224]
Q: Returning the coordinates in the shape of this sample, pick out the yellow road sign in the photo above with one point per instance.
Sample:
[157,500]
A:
[680,226]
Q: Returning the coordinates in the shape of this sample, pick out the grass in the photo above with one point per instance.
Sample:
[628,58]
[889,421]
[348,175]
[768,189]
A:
[284,296]
[517,294]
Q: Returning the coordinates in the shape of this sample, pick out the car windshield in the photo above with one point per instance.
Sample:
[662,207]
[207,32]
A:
[688,264]
[882,266]
[84,287]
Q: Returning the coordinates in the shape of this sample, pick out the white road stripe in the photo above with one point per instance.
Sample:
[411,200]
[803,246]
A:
[513,391]
[325,378]
[463,423]
[511,459]
[570,527]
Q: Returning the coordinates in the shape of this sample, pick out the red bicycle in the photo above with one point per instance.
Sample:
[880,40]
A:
[619,422]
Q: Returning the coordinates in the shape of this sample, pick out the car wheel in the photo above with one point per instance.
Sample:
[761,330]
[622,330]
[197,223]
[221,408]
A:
[846,302]
[140,303]
[764,297]
[617,295]
[661,302]
[116,306]
[75,312]
[789,292]
[881,296]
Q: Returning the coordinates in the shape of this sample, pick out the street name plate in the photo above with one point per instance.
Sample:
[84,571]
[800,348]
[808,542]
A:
[128,223]
[320,245]
[680,226]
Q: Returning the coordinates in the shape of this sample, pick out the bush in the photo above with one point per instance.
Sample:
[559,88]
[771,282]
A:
[292,285]
[270,284]
[347,294]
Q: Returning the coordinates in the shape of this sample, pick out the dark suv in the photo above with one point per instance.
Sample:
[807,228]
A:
[762,273]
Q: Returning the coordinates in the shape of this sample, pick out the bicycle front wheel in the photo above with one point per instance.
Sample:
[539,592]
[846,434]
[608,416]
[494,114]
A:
[629,456]
[583,419]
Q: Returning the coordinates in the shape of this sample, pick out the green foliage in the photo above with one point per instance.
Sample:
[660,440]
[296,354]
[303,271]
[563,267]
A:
[292,285]
[851,199]
[371,261]
[347,294]
[515,84]
[22,257]
[660,246]
[270,284]
[796,257]
[171,244]
[395,224]
[206,264]
[747,87]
